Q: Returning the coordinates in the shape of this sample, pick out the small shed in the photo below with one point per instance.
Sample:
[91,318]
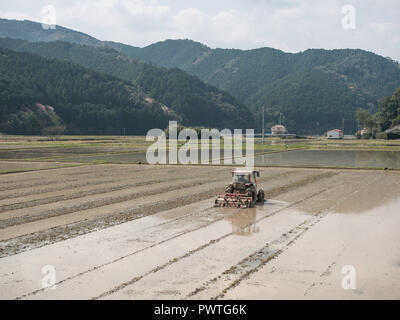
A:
[335,134]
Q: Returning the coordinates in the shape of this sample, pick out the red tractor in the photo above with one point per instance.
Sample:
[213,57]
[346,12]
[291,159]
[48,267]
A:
[242,192]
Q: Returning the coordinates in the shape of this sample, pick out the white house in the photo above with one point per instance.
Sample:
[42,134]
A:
[335,134]
[278,129]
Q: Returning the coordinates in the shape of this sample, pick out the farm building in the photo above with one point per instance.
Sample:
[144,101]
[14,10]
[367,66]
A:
[393,133]
[278,129]
[335,134]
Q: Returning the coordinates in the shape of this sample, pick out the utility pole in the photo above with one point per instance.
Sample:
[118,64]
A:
[343,125]
[263,129]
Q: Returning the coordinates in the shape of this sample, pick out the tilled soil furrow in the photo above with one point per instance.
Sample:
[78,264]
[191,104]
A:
[18,217]
[16,181]
[78,228]
[41,182]
[199,250]
[52,213]
[167,264]
[20,177]
[115,170]
[59,183]
[232,277]
[125,239]
[32,197]
[215,217]
[200,223]
[157,230]
[76,195]
[62,196]
[107,201]
[96,199]
[61,187]
[71,230]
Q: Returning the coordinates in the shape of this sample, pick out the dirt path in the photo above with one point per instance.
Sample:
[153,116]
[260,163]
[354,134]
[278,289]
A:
[142,232]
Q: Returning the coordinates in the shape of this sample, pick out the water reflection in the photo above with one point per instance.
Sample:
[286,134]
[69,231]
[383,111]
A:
[332,158]
[244,222]
[317,158]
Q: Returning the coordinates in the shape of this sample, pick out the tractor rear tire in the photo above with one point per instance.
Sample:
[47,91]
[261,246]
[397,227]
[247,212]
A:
[253,199]
[260,196]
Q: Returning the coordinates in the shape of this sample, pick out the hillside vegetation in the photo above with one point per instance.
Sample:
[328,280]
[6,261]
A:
[183,97]
[36,93]
[312,89]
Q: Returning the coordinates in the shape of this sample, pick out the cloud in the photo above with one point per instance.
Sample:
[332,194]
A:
[383,27]
[290,25]
[16,16]
[188,23]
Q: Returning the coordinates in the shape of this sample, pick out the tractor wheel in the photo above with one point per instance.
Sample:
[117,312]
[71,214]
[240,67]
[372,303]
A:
[253,199]
[260,196]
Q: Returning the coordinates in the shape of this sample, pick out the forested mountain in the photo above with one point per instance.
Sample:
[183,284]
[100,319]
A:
[36,93]
[195,103]
[312,91]
[33,31]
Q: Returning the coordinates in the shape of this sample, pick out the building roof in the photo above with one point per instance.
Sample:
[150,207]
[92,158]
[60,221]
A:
[244,171]
[395,129]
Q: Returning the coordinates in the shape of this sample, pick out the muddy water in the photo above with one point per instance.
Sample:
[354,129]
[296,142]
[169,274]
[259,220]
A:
[57,152]
[130,250]
[332,158]
[315,266]
[136,157]
[312,158]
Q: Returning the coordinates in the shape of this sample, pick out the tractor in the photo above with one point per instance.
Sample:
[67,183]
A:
[242,192]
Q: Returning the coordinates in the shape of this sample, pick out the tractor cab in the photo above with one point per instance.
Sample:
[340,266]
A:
[242,192]
[245,177]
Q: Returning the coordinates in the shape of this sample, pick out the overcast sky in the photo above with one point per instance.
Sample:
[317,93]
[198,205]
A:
[289,25]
